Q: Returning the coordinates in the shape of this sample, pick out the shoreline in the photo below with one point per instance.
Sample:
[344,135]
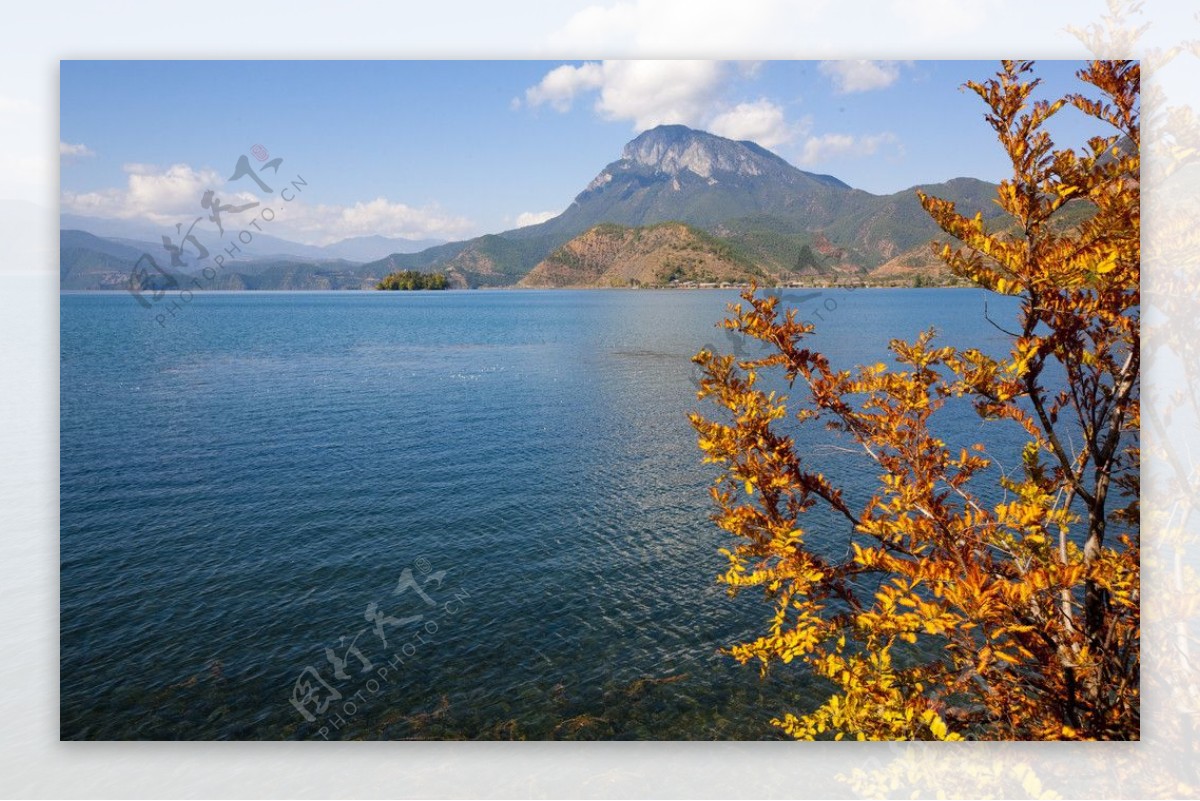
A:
[735,288]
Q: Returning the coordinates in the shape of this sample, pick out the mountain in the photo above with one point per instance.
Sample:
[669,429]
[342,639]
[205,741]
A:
[787,221]
[291,274]
[668,173]
[919,266]
[676,173]
[86,261]
[618,256]
[920,263]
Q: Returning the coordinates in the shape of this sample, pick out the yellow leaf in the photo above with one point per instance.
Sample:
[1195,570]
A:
[938,727]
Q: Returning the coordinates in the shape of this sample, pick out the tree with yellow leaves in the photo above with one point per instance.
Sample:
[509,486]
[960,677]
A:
[966,606]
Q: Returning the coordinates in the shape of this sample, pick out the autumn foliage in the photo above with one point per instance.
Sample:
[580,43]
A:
[962,601]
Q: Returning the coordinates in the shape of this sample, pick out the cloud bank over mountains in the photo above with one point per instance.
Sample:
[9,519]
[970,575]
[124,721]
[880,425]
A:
[698,94]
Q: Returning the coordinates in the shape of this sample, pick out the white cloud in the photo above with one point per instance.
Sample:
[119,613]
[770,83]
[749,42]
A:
[561,84]
[323,224]
[534,217]
[139,168]
[762,122]
[659,92]
[648,93]
[860,75]
[69,151]
[818,149]
[172,195]
[163,196]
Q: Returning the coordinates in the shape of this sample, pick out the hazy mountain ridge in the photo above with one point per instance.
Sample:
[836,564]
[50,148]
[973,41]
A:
[87,262]
[263,246]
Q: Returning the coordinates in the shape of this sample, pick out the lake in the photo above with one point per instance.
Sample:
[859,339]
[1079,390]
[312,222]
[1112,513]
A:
[485,510]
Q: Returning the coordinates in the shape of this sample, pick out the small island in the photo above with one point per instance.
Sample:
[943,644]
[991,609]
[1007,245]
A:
[413,279]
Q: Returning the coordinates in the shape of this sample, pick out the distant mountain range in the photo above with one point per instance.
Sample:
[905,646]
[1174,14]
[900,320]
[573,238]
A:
[748,210]
[263,246]
[87,261]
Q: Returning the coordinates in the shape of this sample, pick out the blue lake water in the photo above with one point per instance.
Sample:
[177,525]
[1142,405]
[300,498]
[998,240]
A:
[501,485]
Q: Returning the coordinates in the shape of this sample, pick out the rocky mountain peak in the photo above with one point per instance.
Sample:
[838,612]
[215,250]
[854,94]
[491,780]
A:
[673,149]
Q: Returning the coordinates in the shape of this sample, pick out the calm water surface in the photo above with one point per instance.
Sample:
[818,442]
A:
[502,486]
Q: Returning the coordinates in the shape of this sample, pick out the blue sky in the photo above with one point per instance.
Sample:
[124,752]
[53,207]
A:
[450,149]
